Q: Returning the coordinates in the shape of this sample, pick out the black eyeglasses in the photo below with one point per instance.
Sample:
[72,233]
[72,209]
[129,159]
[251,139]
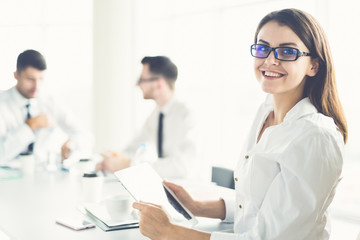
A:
[140,80]
[280,53]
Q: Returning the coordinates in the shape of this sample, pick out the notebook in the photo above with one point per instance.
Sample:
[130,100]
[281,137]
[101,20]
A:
[97,212]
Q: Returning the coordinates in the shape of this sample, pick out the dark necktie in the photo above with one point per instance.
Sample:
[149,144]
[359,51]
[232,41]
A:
[28,115]
[160,135]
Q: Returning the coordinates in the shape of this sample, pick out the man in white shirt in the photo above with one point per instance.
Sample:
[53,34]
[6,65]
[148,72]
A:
[170,127]
[29,119]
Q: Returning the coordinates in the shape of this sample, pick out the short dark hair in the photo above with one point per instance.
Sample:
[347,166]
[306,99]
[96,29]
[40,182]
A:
[163,66]
[30,58]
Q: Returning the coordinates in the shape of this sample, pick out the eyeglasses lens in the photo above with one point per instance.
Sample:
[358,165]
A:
[259,51]
[286,53]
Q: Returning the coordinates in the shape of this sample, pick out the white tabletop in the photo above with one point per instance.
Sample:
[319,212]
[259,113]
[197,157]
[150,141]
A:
[30,205]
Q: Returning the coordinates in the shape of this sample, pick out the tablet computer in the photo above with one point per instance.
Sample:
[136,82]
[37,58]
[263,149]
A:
[143,183]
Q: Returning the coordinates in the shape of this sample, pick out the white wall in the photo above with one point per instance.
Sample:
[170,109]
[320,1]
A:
[114,78]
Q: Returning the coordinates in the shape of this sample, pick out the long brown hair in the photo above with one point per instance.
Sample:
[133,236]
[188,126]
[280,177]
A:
[321,89]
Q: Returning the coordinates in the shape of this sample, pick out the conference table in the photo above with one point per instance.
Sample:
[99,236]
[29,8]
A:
[30,205]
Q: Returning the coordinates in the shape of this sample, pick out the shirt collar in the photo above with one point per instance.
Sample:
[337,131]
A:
[19,99]
[166,108]
[302,108]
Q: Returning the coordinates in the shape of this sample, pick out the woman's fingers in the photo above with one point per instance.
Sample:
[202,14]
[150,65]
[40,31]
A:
[177,189]
[154,221]
[138,205]
[142,205]
[171,185]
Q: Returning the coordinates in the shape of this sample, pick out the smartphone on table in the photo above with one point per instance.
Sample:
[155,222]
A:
[75,223]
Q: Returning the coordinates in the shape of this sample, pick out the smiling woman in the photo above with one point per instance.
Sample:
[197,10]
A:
[284,79]
[294,149]
[320,85]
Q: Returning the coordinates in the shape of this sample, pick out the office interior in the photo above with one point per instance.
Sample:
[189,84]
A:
[93,50]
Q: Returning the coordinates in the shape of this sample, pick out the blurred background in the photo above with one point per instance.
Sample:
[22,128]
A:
[93,51]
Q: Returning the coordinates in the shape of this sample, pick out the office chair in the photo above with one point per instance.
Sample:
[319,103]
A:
[223,177]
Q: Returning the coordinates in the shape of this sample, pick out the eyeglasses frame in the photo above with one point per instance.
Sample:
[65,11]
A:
[152,79]
[299,52]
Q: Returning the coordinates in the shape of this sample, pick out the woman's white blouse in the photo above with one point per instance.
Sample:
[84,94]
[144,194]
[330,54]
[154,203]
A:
[285,182]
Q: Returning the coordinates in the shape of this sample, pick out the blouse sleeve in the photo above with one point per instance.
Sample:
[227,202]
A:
[229,209]
[299,195]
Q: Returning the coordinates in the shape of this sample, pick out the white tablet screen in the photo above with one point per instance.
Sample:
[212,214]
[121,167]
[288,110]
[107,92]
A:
[143,183]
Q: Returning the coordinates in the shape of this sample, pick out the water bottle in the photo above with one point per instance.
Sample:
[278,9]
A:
[145,153]
[52,152]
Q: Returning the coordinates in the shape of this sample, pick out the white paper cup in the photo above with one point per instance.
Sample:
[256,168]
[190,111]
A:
[85,165]
[119,207]
[27,164]
[92,188]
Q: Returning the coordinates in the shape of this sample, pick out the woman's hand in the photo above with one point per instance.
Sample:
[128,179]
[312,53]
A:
[184,197]
[210,209]
[154,222]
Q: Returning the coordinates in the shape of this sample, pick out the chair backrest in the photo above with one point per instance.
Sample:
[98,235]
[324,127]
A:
[223,177]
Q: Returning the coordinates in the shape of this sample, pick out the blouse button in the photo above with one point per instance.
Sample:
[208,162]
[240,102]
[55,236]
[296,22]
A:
[246,156]
[240,206]
[236,179]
